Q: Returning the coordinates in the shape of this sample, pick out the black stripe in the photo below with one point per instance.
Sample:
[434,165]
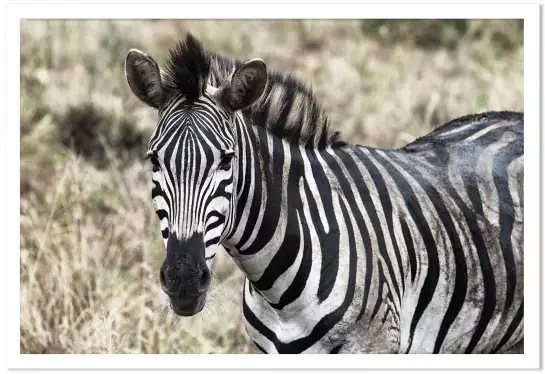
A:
[409,244]
[300,280]
[260,348]
[386,312]
[348,193]
[322,327]
[220,220]
[212,241]
[161,213]
[245,183]
[460,281]
[432,275]
[388,214]
[336,349]
[330,240]
[489,282]
[507,216]
[166,129]
[362,190]
[287,253]
[380,299]
[174,195]
[387,209]
[156,190]
[274,194]
[512,327]
[467,161]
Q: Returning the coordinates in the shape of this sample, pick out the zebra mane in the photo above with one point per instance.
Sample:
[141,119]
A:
[288,108]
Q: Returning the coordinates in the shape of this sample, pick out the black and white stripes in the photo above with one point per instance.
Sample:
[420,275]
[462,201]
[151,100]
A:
[345,248]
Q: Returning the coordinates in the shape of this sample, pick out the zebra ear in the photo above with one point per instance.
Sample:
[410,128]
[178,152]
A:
[246,85]
[144,77]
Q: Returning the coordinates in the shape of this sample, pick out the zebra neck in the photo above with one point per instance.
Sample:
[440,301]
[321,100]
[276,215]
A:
[293,229]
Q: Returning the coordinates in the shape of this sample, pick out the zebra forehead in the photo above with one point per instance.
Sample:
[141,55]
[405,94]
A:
[203,132]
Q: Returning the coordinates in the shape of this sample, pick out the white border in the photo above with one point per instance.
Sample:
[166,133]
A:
[530,13]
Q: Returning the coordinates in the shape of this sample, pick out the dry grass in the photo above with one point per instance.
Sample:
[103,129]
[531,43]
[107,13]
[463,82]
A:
[90,244]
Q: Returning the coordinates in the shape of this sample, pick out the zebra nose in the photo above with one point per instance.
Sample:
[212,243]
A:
[177,282]
[205,280]
[166,285]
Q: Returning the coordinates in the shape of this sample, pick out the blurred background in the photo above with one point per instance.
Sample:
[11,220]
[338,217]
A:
[90,241]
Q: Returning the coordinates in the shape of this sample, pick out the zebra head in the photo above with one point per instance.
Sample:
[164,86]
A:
[192,152]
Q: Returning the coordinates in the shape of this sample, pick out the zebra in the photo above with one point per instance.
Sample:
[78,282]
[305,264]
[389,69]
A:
[345,248]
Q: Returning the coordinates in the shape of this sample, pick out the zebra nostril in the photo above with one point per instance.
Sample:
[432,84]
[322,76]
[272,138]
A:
[163,280]
[205,280]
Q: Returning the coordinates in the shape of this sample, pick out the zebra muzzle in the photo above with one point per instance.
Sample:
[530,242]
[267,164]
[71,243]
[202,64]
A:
[183,283]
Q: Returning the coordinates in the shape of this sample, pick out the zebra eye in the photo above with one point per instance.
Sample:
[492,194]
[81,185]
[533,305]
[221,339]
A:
[225,163]
[154,164]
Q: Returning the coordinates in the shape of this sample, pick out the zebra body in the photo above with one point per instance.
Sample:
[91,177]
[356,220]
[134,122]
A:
[417,240]
[345,248]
